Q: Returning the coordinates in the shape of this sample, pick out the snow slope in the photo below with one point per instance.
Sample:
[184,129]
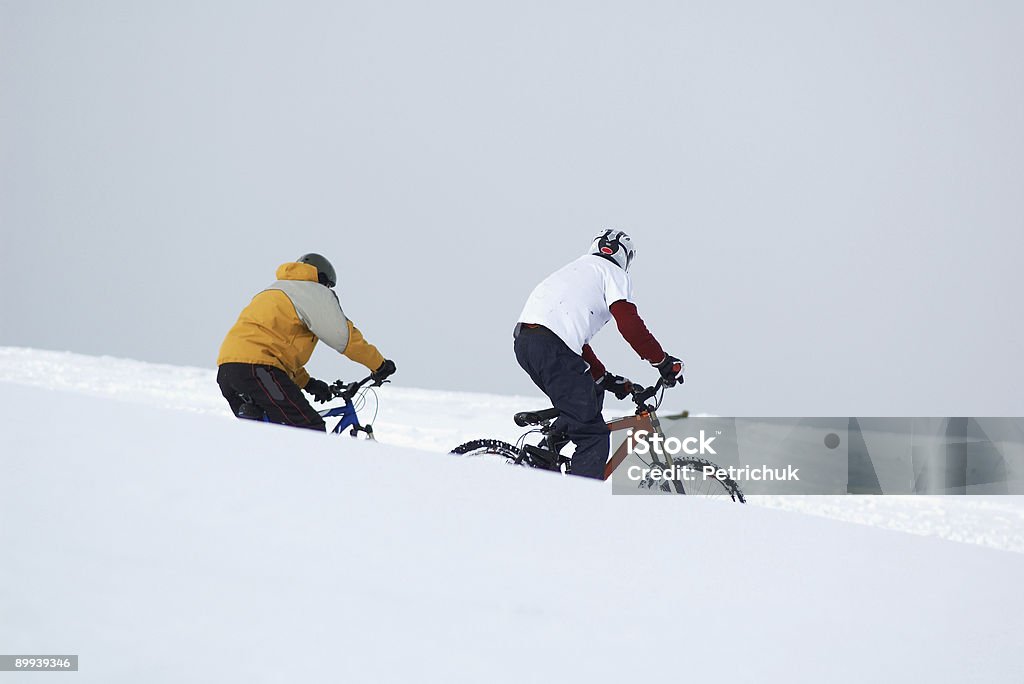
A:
[427,419]
[437,421]
[164,546]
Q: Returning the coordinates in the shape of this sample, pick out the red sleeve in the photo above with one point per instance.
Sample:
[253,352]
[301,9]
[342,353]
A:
[633,329]
[597,369]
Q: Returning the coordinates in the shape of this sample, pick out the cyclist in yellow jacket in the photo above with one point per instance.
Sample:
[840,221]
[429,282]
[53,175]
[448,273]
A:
[261,361]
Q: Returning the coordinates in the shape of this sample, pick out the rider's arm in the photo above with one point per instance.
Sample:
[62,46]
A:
[301,378]
[361,351]
[634,331]
[597,369]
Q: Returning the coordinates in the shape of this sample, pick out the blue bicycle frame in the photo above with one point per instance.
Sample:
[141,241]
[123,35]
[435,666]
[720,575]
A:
[349,419]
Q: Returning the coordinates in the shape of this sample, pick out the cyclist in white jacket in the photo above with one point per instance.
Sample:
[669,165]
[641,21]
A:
[552,343]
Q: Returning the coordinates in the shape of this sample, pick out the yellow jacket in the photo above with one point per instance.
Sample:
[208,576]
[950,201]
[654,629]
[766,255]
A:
[281,326]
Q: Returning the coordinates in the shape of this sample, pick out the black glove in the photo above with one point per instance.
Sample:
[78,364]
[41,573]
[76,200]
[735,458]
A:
[616,384]
[320,390]
[384,372]
[671,370]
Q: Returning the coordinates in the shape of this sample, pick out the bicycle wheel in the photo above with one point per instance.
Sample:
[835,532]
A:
[698,484]
[487,447]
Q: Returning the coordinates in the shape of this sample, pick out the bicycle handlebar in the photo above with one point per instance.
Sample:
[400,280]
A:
[348,391]
[641,394]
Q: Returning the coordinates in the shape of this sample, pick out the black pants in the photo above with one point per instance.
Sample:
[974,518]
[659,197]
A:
[563,375]
[269,389]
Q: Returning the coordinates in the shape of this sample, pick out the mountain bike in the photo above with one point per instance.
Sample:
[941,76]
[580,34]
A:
[354,395]
[546,454]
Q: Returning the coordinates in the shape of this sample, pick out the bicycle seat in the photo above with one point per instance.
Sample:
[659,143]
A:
[536,417]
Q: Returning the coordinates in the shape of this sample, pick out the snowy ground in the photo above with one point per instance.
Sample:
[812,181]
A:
[167,546]
[435,420]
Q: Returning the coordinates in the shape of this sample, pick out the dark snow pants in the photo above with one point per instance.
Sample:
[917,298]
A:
[245,385]
[563,375]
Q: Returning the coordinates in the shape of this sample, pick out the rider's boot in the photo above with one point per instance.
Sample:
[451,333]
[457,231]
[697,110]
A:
[555,442]
[542,458]
[547,454]
[250,411]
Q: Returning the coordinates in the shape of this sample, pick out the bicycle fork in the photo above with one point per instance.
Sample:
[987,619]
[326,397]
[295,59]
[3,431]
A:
[676,483]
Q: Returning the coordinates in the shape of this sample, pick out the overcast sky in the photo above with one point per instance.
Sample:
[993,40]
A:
[827,198]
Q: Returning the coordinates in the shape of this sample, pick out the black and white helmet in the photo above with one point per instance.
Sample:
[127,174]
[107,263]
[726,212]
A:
[616,246]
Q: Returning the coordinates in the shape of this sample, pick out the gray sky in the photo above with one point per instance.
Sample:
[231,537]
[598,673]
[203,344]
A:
[826,197]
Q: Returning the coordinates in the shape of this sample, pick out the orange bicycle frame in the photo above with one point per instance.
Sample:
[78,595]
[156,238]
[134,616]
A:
[644,421]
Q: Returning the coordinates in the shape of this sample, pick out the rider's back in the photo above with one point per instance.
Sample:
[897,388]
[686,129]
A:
[283,323]
[573,302]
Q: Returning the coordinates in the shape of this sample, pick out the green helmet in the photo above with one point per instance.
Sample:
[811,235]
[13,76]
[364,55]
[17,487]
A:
[324,271]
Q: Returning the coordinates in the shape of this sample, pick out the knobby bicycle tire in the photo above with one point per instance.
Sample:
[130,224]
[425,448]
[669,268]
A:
[484,447]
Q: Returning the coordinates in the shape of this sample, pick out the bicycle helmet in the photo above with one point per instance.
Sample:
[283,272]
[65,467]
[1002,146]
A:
[615,246]
[324,271]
